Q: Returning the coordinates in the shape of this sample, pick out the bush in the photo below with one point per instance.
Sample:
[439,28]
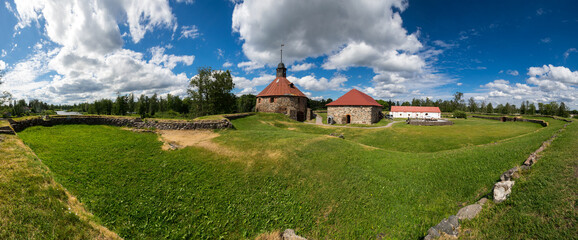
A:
[460,114]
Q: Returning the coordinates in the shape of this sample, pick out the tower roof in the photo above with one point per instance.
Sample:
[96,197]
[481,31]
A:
[354,98]
[281,87]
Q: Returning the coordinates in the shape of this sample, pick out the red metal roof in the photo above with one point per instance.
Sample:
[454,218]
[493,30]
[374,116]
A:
[354,98]
[281,87]
[415,109]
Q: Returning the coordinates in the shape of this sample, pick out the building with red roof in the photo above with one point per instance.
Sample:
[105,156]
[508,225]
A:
[415,112]
[282,96]
[354,107]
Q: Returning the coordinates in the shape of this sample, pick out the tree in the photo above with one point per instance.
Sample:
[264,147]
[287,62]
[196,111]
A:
[563,110]
[142,106]
[246,103]
[490,108]
[523,108]
[532,109]
[210,92]
[473,105]
[459,103]
[120,106]
[153,105]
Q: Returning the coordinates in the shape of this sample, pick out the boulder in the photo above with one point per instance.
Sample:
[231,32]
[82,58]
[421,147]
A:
[469,212]
[502,190]
[507,176]
[289,234]
[482,201]
[449,226]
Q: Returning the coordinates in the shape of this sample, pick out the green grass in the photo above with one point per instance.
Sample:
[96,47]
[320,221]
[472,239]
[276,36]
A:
[543,202]
[32,205]
[273,174]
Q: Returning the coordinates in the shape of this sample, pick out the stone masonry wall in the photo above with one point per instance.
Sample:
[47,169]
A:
[122,122]
[292,106]
[509,119]
[359,114]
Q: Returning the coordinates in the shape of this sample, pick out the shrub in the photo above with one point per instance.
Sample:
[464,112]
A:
[460,114]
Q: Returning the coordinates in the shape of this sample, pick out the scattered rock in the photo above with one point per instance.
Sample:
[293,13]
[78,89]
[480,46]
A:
[482,201]
[502,190]
[469,212]
[507,176]
[448,226]
[339,135]
[289,234]
[525,167]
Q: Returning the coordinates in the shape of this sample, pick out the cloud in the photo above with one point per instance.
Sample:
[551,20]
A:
[567,53]
[227,64]
[347,34]
[191,32]
[544,84]
[512,72]
[89,61]
[169,61]
[250,65]
[248,85]
[340,27]
[554,74]
[322,84]
[546,40]
[2,65]
[302,67]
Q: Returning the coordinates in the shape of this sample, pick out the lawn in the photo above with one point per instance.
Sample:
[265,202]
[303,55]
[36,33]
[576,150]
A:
[543,201]
[272,173]
[33,205]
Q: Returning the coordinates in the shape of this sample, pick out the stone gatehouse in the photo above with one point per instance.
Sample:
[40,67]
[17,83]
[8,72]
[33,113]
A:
[355,107]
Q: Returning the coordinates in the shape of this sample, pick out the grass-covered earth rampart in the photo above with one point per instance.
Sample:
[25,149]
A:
[271,173]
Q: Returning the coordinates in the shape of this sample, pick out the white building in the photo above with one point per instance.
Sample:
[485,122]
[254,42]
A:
[415,112]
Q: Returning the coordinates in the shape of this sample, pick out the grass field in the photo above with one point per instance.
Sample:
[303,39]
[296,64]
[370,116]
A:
[33,205]
[272,173]
[543,202]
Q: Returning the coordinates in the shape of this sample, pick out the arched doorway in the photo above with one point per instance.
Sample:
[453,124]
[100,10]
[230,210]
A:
[348,119]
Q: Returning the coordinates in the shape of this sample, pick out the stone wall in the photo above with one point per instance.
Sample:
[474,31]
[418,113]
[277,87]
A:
[292,106]
[516,119]
[122,122]
[429,123]
[358,114]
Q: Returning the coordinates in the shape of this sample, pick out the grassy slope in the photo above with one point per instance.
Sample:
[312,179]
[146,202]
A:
[32,205]
[274,178]
[543,202]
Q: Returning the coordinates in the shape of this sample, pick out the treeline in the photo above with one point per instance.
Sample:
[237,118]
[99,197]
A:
[209,93]
[458,103]
[167,106]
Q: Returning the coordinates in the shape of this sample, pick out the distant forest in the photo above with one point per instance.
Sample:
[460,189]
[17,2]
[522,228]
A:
[170,106]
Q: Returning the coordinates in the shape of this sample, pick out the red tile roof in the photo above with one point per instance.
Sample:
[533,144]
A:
[354,98]
[281,87]
[415,109]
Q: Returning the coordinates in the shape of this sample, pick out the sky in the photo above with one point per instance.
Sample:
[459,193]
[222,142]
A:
[74,51]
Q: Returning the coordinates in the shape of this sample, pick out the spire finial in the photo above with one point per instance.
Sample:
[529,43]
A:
[282,52]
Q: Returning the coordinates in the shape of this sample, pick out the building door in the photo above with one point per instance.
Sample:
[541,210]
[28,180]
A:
[348,119]
[300,116]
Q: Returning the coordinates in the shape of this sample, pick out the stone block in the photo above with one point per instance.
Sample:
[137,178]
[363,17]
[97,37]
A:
[502,190]
[470,211]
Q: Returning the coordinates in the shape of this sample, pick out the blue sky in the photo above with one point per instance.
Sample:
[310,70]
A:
[494,51]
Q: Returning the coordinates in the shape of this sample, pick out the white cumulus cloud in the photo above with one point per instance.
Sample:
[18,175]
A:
[302,67]
[311,83]
[90,61]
